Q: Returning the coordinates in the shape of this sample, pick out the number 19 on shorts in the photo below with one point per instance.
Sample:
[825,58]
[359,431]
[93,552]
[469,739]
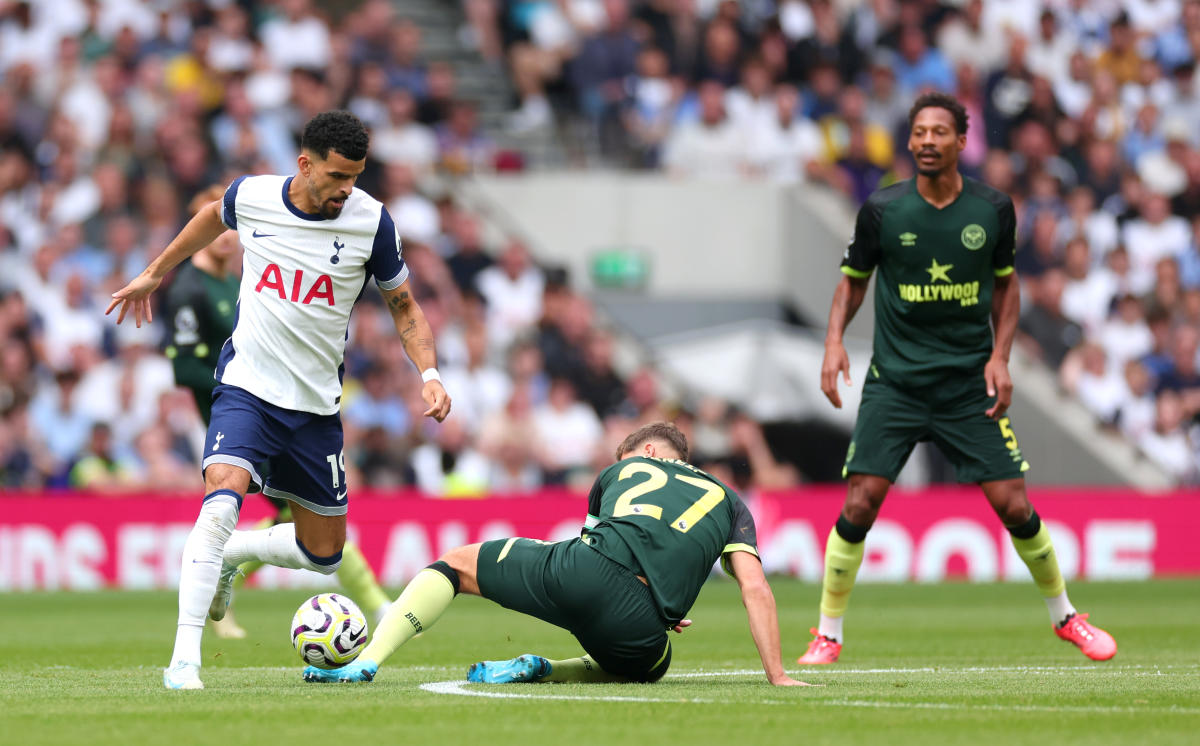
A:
[337,467]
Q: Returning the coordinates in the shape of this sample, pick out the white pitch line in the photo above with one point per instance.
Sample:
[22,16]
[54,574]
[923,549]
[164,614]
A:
[456,687]
[459,688]
[825,671]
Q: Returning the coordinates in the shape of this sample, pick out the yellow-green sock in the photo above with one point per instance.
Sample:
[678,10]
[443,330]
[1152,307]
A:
[843,555]
[842,560]
[359,581]
[1037,552]
[579,669]
[419,606]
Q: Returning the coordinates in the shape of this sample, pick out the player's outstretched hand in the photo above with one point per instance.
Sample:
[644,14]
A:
[135,296]
[999,385]
[785,680]
[438,400]
[836,361]
[683,624]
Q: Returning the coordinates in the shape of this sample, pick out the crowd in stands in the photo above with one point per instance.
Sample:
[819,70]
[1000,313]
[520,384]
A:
[114,115]
[1086,112]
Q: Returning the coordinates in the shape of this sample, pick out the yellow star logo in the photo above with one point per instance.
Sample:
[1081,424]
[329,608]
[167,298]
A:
[938,271]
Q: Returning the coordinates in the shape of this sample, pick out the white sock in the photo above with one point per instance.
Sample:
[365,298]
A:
[1059,607]
[831,627]
[277,546]
[200,570]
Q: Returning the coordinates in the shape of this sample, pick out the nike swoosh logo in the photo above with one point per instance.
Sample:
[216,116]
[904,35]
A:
[256,234]
[340,496]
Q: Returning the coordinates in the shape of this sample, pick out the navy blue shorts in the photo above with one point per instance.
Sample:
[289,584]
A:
[303,450]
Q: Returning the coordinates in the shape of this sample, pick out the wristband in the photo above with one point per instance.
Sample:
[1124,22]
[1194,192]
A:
[431,374]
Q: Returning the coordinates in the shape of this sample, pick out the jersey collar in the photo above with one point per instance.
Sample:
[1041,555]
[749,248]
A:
[287,202]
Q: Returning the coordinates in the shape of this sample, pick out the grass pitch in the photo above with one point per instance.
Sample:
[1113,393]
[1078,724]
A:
[949,663]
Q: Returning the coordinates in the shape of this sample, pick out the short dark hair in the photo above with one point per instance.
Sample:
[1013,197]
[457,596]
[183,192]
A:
[664,431]
[936,100]
[339,131]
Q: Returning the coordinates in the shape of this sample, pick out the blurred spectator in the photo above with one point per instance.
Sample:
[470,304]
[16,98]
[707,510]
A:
[919,66]
[1088,292]
[1183,376]
[98,467]
[1121,57]
[1126,335]
[711,147]
[449,466]
[297,38]
[574,429]
[1153,235]
[462,145]
[787,147]
[597,382]
[965,39]
[512,289]
[467,257]
[415,216]
[480,388]
[1136,414]
[651,98]
[399,138]
[1050,333]
[510,440]
[1099,385]
[1167,443]
[377,404]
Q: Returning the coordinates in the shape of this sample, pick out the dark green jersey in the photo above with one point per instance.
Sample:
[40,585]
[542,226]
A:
[937,268]
[201,309]
[668,522]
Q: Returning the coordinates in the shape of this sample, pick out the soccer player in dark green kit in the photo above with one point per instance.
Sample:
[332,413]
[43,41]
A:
[947,301]
[655,527]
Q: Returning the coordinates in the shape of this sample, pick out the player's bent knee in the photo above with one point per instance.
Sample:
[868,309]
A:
[463,562]
[326,565]
[226,477]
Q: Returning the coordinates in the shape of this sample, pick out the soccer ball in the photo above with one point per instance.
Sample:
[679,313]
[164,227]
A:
[329,631]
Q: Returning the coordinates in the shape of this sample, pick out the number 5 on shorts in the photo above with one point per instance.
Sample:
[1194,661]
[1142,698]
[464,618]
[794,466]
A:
[1010,438]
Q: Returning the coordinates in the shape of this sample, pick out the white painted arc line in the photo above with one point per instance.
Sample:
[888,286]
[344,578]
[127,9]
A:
[458,688]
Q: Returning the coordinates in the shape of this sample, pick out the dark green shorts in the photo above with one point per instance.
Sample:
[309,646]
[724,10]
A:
[892,420]
[571,585]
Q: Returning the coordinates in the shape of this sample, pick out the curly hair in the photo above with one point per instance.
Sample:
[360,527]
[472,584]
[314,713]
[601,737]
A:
[665,432]
[339,131]
[936,100]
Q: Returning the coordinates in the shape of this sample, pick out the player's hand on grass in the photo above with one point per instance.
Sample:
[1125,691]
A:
[438,400]
[999,385]
[836,361]
[785,680]
[683,624]
[135,296]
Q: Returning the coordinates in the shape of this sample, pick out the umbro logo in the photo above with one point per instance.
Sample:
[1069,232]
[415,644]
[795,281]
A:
[256,234]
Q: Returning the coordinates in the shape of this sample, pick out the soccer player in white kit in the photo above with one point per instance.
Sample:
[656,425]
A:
[311,241]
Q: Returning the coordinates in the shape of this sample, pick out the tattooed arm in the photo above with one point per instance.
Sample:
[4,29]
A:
[417,337]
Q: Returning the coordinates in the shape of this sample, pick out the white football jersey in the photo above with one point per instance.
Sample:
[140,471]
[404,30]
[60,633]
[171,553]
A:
[301,275]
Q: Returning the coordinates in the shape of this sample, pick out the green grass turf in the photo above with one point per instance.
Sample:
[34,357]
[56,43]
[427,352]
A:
[950,663]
